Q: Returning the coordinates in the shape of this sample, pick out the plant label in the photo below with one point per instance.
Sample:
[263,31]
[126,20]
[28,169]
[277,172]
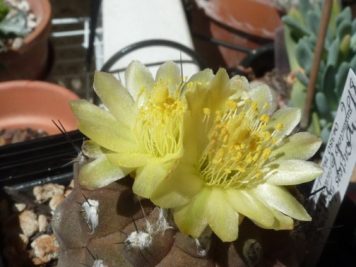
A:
[338,165]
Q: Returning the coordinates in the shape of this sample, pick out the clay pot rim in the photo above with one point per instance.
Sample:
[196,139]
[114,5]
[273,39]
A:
[35,104]
[44,24]
[227,19]
[37,85]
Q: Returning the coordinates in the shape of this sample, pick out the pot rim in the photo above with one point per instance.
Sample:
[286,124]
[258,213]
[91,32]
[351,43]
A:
[44,25]
[36,104]
[37,85]
[255,24]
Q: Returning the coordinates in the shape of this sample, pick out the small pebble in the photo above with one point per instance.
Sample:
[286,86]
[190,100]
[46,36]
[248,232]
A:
[67,192]
[20,206]
[32,24]
[24,6]
[42,223]
[45,192]
[16,45]
[28,222]
[55,201]
[45,248]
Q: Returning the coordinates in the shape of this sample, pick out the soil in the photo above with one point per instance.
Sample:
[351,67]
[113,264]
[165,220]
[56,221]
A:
[27,236]
[11,136]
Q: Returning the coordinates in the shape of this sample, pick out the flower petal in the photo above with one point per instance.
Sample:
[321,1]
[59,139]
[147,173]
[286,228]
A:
[191,219]
[195,137]
[128,160]
[293,172]
[138,78]
[263,96]
[288,118]
[240,86]
[282,222]
[246,204]
[222,218]
[208,95]
[219,91]
[177,189]
[100,173]
[115,97]
[91,149]
[202,77]
[211,96]
[280,199]
[301,145]
[149,177]
[169,74]
[101,127]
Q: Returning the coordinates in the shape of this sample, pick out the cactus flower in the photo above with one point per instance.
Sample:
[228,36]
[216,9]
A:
[139,131]
[238,157]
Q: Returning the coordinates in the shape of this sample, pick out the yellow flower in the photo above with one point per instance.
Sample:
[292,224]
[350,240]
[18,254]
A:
[139,131]
[237,159]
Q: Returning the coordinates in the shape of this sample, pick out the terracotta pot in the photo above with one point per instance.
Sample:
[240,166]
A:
[249,24]
[256,17]
[35,104]
[30,61]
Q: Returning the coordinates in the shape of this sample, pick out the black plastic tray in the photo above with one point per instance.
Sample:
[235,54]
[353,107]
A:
[39,159]
[36,162]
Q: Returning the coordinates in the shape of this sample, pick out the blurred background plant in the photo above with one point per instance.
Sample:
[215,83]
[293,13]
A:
[16,21]
[301,30]
[287,4]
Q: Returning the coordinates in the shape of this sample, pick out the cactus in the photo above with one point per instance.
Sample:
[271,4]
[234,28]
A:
[129,231]
[208,161]
[301,29]
[132,232]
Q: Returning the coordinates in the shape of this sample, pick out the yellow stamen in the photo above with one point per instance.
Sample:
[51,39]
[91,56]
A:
[279,126]
[161,116]
[239,144]
[231,104]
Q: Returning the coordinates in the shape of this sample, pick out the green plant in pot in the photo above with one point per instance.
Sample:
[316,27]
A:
[13,24]
[173,170]
[339,54]
[24,31]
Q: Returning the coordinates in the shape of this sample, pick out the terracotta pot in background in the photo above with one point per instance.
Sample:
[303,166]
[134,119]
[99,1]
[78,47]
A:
[35,104]
[249,24]
[30,61]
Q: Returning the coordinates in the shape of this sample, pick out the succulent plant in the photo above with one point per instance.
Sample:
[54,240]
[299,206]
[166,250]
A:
[287,4]
[339,54]
[4,9]
[13,23]
[204,154]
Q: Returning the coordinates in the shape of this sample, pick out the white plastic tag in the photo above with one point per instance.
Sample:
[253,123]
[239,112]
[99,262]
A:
[338,163]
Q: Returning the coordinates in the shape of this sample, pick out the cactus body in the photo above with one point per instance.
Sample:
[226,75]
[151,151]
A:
[119,237]
[134,233]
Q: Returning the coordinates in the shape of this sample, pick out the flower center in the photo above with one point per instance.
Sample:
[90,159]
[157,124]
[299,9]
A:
[158,126]
[239,144]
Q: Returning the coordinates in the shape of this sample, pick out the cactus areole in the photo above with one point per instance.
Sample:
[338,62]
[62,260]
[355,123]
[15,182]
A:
[207,152]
